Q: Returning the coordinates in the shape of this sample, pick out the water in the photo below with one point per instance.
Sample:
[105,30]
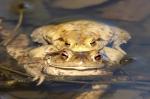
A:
[116,12]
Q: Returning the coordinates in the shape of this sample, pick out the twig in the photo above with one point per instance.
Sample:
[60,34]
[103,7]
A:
[14,71]
[21,14]
[20,20]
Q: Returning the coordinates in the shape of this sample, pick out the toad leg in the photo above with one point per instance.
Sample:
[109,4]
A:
[36,62]
[111,55]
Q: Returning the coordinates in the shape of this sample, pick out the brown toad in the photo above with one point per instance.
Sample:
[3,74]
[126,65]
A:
[75,48]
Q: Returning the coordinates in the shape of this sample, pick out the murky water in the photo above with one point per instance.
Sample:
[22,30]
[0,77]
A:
[136,22]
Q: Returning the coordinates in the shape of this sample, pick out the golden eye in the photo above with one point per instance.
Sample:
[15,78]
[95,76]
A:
[47,40]
[61,39]
[98,57]
[37,44]
[93,43]
[67,44]
[64,55]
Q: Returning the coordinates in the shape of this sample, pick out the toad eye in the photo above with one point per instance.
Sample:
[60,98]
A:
[98,57]
[67,44]
[47,40]
[93,43]
[61,39]
[64,55]
[37,44]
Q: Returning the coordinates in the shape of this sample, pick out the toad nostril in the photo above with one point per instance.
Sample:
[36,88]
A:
[98,57]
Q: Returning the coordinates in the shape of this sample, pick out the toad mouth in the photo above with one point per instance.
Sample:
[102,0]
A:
[55,71]
[77,68]
[73,65]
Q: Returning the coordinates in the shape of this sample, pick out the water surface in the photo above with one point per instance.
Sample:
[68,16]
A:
[137,23]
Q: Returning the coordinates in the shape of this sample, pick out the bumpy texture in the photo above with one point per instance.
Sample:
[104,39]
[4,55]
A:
[75,48]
